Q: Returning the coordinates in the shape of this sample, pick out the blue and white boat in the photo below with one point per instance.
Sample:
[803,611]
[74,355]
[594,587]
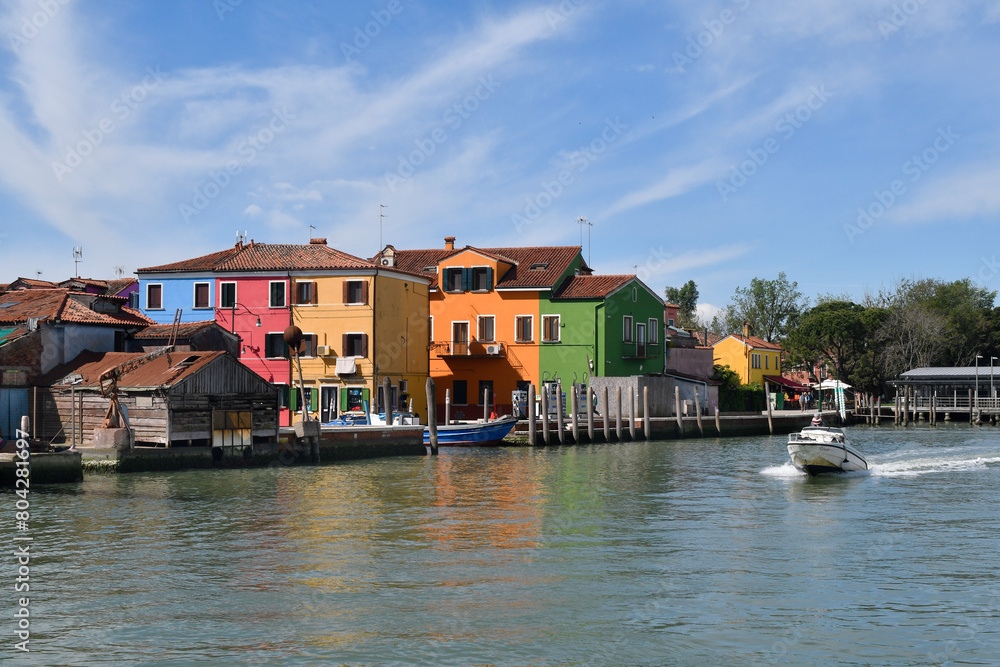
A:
[478,434]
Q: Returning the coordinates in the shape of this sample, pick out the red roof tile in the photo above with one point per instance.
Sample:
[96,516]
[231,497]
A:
[67,306]
[184,329]
[555,258]
[753,342]
[590,287]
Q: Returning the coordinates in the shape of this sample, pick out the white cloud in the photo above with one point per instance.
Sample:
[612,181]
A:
[972,192]
[678,181]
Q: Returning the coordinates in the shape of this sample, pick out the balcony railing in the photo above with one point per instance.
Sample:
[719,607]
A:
[447,348]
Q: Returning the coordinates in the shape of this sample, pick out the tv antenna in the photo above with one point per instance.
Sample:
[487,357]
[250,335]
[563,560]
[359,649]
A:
[381,216]
[312,228]
[582,220]
[77,258]
[120,270]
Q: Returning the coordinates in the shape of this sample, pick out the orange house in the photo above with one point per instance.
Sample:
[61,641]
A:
[485,324]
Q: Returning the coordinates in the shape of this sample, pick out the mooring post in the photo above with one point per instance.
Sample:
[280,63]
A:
[631,413]
[532,426]
[486,404]
[590,414]
[545,414]
[718,422]
[677,411]
[906,407]
[447,407]
[432,427]
[574,406]
[618,412]
[767,402]
[697,412]
[934,408]
[606,420]
[387,398]
[645,412]
[972,412]
[560,418]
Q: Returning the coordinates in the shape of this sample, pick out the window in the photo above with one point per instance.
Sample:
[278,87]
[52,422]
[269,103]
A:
[227,295]
[755,360]
[482,277]
[654,327]
[524,326]
[485,385]
[283,395]
[539,266]
[133,300]
[201,295]
[308,346]
[277,294]
[550,328]
[460,392]
[627,329]
[460,338]
[670,322]
[154,296]
[355,399]
[430,329]
[767,361]
[275,346]
[356,292]
[312,399]
[486,323]
[777,362]
[305,292]
[355,345]
[453,280]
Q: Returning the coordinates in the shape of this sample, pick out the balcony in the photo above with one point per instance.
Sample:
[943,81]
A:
[473,349]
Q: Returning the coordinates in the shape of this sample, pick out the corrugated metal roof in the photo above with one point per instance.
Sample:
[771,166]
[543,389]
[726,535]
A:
[163,371]
[950,373]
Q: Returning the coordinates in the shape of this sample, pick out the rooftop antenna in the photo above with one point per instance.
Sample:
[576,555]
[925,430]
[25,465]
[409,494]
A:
[312,228]
[120,270]
[582,220]
[77,258]
[381,215]
[38,275]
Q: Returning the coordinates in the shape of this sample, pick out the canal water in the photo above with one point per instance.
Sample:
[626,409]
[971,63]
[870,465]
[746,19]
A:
[686,552]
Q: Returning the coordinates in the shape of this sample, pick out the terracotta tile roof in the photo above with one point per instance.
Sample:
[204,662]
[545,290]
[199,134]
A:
[555,258]
[203,263]
[753,342]
[184,329]
[119,285]
[162,371]
[65,305]
[590,287]
[268,257]
[31,283]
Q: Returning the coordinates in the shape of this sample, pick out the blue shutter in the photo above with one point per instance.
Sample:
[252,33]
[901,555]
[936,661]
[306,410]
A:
[489,278]
[466,279]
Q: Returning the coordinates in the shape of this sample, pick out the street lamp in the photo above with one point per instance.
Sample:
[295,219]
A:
[232,321]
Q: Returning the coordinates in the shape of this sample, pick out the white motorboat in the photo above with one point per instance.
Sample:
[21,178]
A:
[817,449]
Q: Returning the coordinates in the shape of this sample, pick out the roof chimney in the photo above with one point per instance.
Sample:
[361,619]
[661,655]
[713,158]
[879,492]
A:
[746,329]
[449,243]
[317,241]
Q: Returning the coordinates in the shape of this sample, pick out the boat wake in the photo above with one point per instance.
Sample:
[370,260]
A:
[927,465]
[785,470]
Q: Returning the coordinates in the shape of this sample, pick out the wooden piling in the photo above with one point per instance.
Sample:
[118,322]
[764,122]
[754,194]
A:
[906,407]
[631,413]
[386,396]
[677,411]
[545,414]
[486,404]
[618,413]
[645,412]
[532,426]
[767,402]
[432,427]
[934,408]
[590,414]
[697,412]
[574,405]
[447,407]
[972,412]
[560,419]
[718,422]
[607,414]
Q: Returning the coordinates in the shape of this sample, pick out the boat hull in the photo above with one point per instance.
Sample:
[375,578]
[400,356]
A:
[485,434]
[816,458]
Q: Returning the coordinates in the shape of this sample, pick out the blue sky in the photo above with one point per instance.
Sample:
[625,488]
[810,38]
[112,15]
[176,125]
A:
[713,141]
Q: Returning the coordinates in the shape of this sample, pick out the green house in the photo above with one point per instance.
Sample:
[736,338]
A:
[595,325]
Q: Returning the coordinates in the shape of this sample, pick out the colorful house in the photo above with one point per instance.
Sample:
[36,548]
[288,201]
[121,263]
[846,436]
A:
[751,357]
[504,318]
[362,322]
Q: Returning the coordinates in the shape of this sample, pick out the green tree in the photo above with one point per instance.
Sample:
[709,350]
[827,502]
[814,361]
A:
[685,298]
[771,307]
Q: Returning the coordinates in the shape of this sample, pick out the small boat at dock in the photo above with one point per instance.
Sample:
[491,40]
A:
[474,434]
[820,449]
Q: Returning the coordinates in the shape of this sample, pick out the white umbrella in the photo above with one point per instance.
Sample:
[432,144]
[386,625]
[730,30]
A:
[834,384]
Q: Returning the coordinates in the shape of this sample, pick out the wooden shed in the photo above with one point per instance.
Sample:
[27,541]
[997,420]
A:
[174,398]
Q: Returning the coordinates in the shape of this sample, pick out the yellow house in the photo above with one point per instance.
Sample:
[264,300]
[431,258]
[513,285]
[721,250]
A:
[361,325]
[751,357]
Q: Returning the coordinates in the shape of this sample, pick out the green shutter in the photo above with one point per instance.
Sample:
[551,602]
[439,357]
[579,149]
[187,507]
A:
[343,400]
[466,279]
[293,399]
[365,395]
[314,399]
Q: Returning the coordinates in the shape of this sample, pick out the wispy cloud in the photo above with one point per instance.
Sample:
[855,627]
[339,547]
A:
[972,192]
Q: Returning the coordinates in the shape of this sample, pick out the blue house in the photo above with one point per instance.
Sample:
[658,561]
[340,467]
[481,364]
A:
[188,286]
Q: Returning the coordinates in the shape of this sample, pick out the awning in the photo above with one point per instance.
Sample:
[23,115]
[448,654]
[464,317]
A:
[834,384]
[784,382]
